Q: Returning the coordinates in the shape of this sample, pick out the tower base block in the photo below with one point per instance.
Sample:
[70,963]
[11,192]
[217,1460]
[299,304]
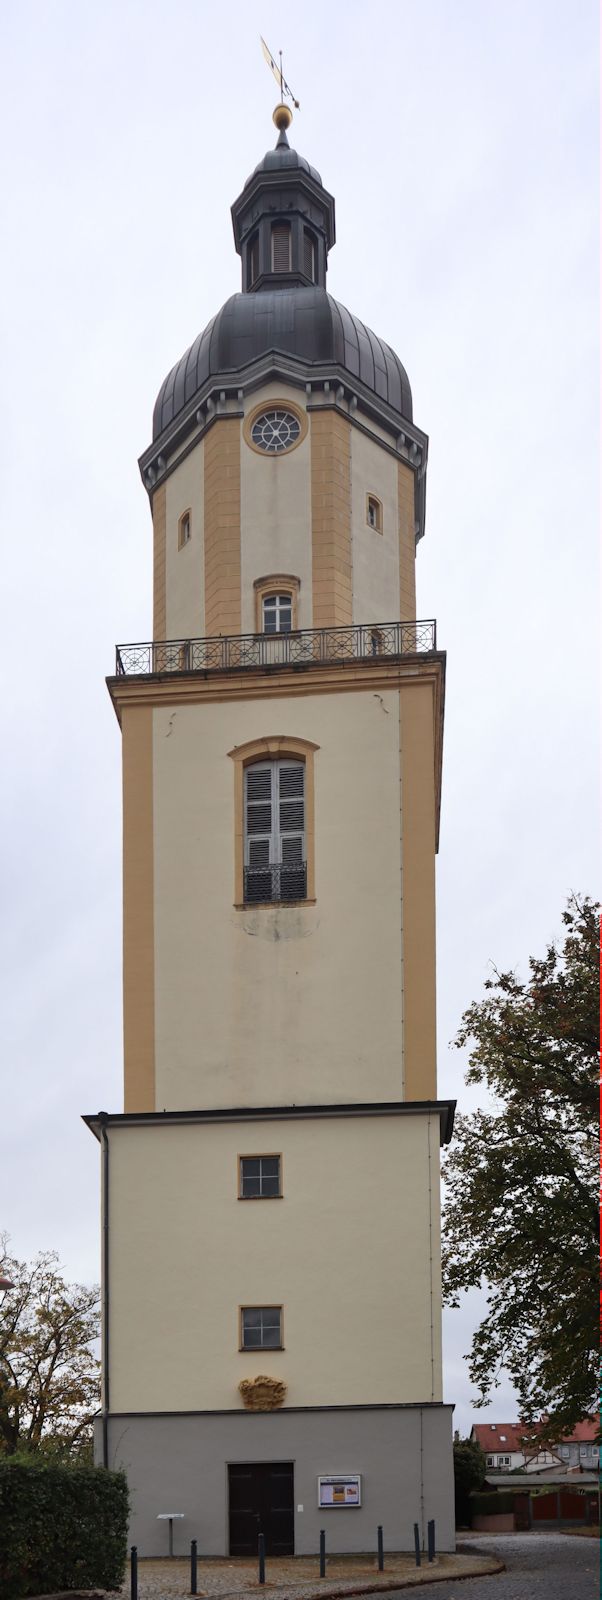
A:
[235,1473]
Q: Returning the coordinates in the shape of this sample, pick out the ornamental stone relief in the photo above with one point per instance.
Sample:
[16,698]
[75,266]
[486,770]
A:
[262,1393]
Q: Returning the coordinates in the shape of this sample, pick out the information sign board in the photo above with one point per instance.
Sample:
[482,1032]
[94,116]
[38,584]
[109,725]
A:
[340,1489]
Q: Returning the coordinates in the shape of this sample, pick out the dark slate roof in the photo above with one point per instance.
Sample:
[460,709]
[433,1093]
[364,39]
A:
[283,159]
[302,323]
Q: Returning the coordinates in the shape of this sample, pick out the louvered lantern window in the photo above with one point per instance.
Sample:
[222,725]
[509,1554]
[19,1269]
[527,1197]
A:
[253,261]
[309,255]
[275,864]
[281,247]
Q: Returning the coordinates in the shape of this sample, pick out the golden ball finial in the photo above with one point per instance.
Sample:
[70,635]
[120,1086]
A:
[282,116]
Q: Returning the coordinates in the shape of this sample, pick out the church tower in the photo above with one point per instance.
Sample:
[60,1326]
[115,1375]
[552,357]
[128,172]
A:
[271,1256]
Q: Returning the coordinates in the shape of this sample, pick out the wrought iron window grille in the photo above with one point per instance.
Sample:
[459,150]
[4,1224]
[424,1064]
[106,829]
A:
[275,884]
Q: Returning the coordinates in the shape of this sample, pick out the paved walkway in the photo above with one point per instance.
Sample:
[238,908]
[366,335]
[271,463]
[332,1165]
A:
[540,1566]
[298,1579]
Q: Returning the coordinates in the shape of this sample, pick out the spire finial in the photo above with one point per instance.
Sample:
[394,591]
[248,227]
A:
[282,116]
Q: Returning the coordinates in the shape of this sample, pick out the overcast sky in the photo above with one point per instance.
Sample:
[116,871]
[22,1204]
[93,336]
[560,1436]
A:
[459,138]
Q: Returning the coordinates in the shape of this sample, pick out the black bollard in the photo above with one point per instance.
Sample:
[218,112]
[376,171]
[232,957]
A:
[430,1528]
[417,1543]
[322,1553]
[261,1554]
[193,1566]
[381,1549]
[134,1573]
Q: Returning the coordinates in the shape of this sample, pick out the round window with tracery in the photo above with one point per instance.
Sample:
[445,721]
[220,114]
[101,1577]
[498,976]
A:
[275,431]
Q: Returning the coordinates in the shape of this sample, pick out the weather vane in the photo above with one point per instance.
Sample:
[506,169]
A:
[279,75]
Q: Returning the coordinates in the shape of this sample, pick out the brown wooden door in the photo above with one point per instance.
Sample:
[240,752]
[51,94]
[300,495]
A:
[261,1501]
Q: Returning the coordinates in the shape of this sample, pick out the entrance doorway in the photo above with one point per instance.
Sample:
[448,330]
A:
[261,1501]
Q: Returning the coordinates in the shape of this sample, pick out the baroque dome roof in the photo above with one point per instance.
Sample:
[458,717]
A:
[305,325]
[283,159]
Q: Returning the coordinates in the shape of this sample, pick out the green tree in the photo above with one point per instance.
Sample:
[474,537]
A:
[469,1474]
[49,1370]
[521,1213]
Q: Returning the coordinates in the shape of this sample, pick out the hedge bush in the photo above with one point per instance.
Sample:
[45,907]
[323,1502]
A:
[492,1502]
[63,1527]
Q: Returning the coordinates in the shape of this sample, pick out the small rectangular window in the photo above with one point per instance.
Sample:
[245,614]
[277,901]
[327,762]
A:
[260,1178]
[261,1327]
[281,247]
[183,530]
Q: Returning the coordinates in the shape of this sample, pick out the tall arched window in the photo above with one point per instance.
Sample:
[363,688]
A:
[275,866]
[274,821]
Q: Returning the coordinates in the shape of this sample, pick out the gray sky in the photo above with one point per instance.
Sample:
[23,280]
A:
[459,140]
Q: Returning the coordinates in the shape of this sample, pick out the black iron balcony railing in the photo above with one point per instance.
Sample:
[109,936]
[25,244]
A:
[279,882]
[247,651]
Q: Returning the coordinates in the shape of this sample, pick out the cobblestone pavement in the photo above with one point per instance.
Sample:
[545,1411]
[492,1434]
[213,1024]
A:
[296,1579]
[540,1566]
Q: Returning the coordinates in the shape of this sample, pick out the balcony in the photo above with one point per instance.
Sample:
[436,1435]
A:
[253,652]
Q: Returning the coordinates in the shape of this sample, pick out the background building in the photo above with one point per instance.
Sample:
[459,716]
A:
[506,1446]
[271,1276]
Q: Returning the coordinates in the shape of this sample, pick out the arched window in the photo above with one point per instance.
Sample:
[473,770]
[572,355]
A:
[374,513]
[184,530]
[281,247]
[276,603]
[274,817]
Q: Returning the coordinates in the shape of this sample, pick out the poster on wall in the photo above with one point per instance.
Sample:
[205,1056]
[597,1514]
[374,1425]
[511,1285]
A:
[340,1489]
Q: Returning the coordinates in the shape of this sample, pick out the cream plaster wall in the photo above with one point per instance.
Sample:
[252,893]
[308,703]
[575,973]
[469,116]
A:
[375,556]
[275,513]
[286,1004]
[350,1253]
[185,568]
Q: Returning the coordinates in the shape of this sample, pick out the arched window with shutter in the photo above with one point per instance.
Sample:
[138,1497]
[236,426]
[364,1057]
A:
[275,863]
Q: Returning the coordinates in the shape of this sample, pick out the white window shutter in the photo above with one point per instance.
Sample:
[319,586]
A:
[275,831]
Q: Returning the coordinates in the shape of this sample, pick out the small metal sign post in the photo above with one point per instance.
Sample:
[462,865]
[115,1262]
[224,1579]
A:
[170,1517]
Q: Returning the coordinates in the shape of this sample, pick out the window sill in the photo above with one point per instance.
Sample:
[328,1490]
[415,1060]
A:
[269,905]
[260,1349]
[253,1197]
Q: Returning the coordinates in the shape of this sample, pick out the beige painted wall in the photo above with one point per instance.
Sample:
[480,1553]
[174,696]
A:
[351,1252]
[332,578]
[375,561]
[418,890]
[275,513]
[185,568]
[267,1005]
[303,514]
[222,526]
